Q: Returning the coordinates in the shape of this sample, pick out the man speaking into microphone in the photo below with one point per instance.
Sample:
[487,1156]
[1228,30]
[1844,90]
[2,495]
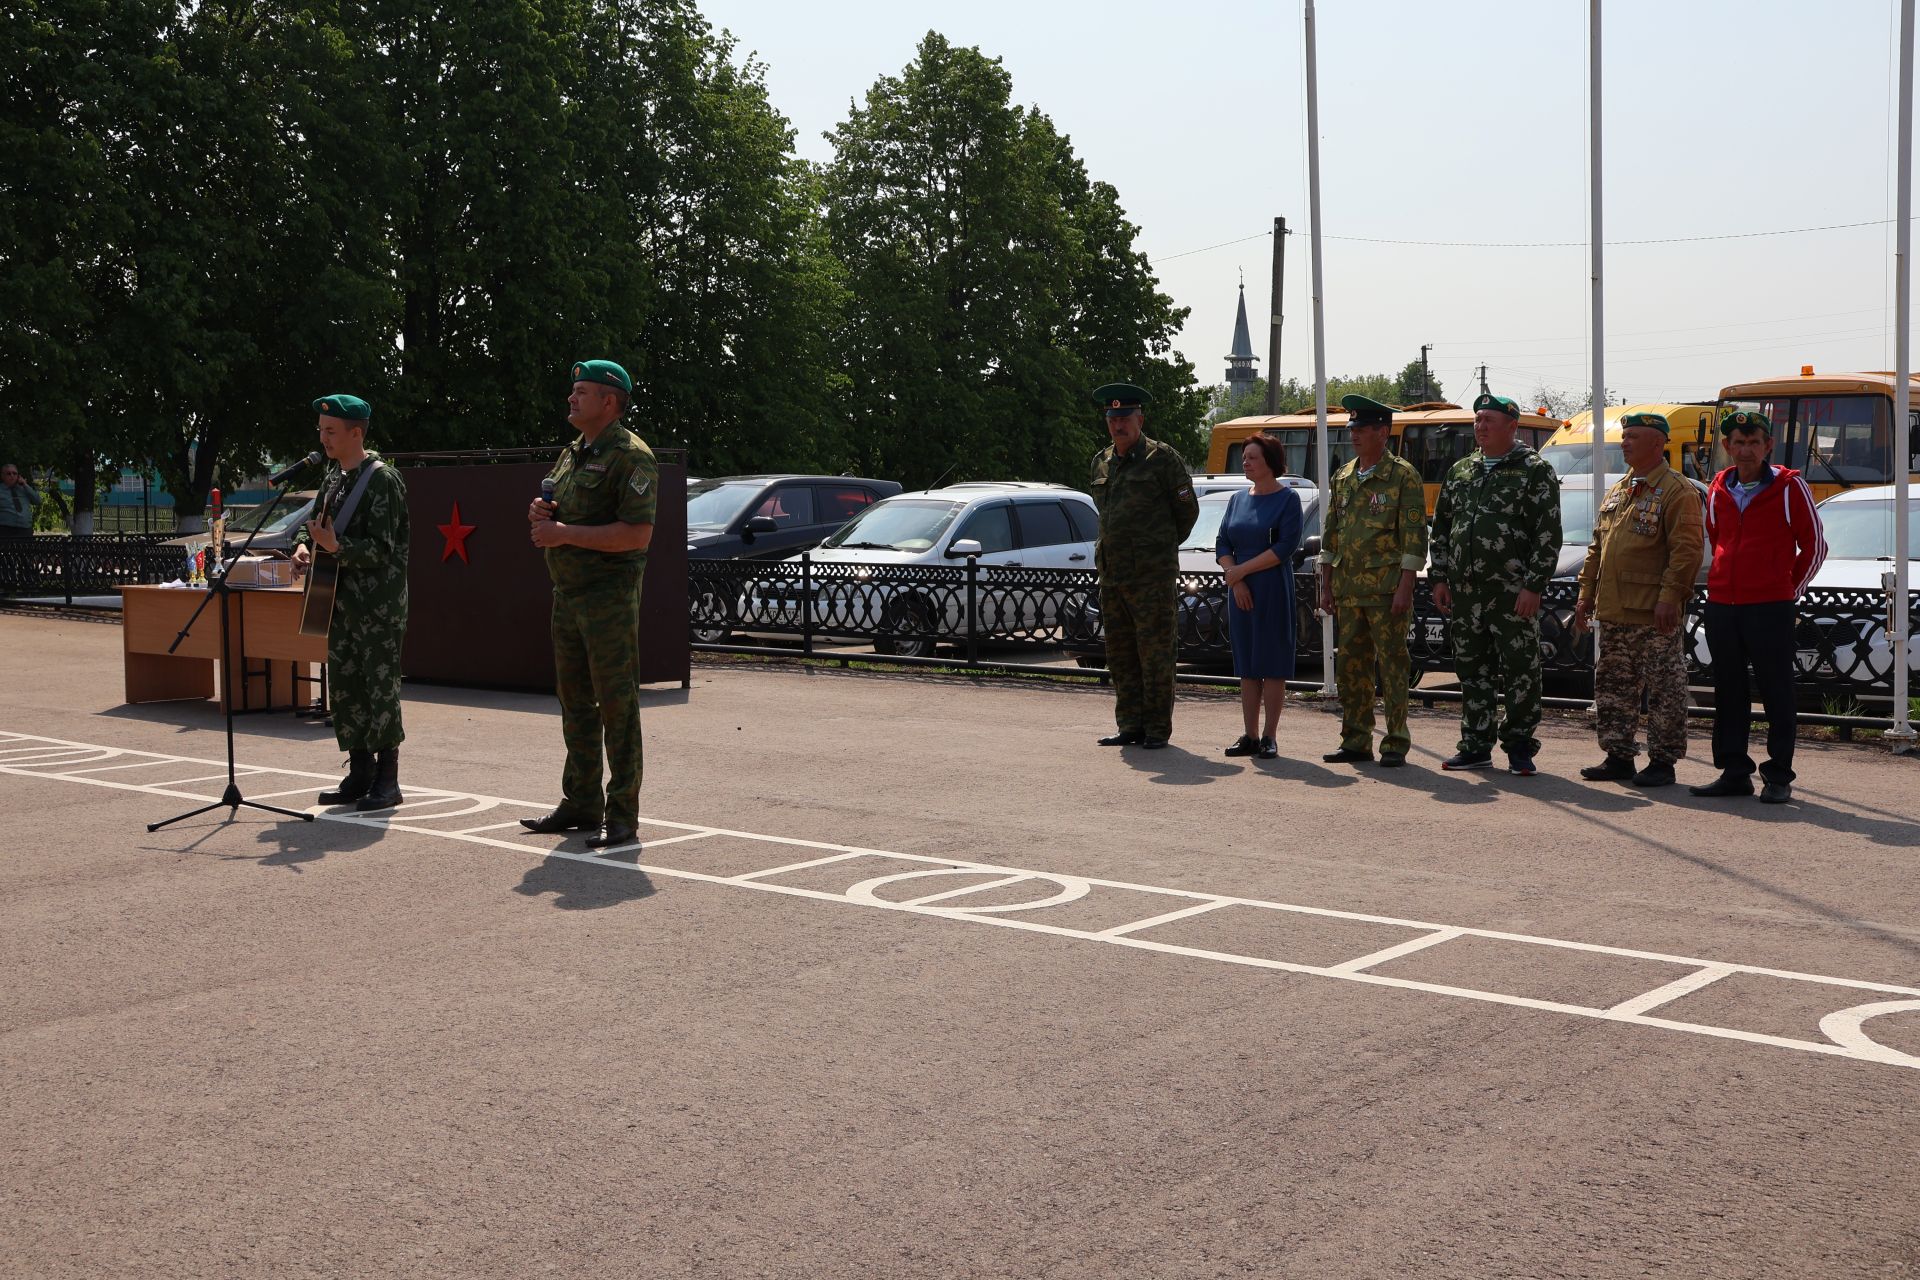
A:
[595,531]
[360,519]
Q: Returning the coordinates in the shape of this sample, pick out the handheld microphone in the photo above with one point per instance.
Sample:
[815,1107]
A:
[280,477]
[546,489]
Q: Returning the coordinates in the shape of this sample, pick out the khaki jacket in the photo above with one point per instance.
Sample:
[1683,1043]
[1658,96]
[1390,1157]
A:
[1375,528]
[1647,547]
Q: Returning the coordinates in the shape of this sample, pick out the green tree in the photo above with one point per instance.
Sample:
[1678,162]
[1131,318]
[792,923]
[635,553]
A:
[1416,383]
[990,285]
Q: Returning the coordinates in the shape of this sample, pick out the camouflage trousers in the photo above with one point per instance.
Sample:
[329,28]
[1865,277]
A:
[1636,659]
[1139,622]
[1372,637]
[363,682]
[596,667]
[1497,656]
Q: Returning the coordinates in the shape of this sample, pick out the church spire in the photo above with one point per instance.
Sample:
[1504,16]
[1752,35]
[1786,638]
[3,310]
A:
[1240,362]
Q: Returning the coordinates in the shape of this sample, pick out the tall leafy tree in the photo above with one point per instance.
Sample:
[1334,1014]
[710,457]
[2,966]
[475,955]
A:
[990,284]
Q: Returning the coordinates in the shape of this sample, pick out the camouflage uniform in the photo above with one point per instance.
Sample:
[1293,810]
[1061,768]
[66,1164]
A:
[1647,546]
[1147,508]
[1376,528]
[1496,532]
[370,607]
[596,622]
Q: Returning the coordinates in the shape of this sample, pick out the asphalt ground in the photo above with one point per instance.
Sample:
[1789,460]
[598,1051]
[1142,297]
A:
[1387,1023]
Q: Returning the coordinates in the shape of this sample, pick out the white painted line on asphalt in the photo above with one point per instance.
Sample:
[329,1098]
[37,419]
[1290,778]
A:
[1685,985]
[1842,1027]
[1394,952]
[793,866]
[491,826]
[1152,922]
[964,889]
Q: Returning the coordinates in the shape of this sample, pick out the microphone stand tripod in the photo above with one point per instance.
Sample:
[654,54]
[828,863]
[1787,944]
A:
[231,798]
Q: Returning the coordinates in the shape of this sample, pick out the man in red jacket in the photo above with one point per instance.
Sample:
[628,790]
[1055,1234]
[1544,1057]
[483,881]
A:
[1767,545]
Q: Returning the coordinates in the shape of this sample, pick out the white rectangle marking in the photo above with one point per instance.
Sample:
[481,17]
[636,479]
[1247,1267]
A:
[1120,931]
[1687,984]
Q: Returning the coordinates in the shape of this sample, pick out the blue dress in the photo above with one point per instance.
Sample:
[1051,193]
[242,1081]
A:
[1263,635]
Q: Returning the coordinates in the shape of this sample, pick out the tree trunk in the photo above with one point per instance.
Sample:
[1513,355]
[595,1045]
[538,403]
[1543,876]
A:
[85,471]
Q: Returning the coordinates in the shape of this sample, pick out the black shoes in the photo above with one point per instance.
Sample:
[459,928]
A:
[1269,749]
[1467,760]
[1347,755]
[1392,759]
[385,792]
[357,783]
[1244,745]
[1776,793]
[1727,784]
[1152,743]
[1521,765]
[610,835]
[1126,738]
[1614,769]
[559,820]
[1655,774]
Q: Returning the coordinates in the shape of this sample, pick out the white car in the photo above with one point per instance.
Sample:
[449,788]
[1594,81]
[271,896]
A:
[885,573]
[1853,646]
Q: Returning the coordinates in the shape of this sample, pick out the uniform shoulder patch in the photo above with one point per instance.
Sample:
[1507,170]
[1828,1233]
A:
[639,483]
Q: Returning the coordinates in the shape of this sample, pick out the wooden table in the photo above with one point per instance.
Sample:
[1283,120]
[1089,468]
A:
[265,627]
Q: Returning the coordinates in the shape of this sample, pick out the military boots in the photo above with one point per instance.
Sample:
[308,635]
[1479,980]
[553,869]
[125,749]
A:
[385,792]
[357,783]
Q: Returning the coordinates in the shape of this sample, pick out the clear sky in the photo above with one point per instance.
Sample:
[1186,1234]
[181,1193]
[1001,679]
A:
[1463,121]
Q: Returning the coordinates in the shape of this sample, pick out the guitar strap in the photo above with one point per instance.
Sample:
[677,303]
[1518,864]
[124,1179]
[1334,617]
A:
[353,499]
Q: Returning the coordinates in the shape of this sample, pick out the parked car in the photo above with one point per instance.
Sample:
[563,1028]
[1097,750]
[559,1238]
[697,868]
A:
[1850,644]
[285,520]
[1201,618]
[768,517]
[872,586]
[763,518]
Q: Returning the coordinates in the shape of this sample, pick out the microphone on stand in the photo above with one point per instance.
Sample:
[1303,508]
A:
[279,477]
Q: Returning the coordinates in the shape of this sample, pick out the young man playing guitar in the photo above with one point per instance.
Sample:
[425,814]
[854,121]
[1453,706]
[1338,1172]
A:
[360,530]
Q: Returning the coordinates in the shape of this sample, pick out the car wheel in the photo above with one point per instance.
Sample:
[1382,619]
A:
[913,618]
[712,617]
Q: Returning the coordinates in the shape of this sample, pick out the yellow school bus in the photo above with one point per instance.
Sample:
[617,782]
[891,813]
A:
[1432,436]
[1690,447]
[1836,429]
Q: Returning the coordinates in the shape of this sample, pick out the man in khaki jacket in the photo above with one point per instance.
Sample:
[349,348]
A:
[1647,547]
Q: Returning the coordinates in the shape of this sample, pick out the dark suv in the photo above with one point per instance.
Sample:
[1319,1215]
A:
[767,517]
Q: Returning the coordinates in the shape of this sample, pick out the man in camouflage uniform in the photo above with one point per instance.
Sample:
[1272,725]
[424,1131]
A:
[595,533]
[1646,552]
[1374,544]
[1496,540]
[370,542]
[1147,508]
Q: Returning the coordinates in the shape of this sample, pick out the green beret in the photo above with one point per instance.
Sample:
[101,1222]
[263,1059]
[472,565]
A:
[1500,403]
[1744,420]
[1652,421]
[1366,413]
[352,408]
[605,372]
[1119,396]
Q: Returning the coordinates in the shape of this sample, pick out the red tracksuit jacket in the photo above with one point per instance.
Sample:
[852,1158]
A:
[1771,550]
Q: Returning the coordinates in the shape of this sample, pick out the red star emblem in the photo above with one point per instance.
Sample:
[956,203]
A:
[456,535]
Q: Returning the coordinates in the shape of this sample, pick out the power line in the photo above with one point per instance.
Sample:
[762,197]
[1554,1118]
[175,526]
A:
[1647,333]
[1548,244]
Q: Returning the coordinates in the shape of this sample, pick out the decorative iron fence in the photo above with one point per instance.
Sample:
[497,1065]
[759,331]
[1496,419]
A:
[911,611]
[69,566]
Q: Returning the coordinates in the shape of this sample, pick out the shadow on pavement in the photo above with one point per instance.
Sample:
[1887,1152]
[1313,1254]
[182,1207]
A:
[1175,766]
[582,886]
[1288,769]
[298,842]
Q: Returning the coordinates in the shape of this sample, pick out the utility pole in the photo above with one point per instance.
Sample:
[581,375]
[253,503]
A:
[1426,383]
[1483,380]
[1274,315]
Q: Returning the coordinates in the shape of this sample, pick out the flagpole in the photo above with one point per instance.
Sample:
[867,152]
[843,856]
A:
[1901,735]
[1595,251]
[1321,477]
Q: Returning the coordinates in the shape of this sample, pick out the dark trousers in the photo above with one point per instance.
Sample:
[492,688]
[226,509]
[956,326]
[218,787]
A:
[1758,636]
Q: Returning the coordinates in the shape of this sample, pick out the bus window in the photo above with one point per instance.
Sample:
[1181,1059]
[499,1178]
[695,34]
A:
[1441,448]
[1235,452]
[1842,439]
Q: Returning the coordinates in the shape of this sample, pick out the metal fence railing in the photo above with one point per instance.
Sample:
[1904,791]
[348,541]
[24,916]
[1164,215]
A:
[66,566]
[970,609]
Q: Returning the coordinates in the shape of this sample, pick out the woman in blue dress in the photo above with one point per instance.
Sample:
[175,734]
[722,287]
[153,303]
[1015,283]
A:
[1258,537]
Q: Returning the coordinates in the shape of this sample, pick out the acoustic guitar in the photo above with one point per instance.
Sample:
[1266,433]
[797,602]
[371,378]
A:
[316,606]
